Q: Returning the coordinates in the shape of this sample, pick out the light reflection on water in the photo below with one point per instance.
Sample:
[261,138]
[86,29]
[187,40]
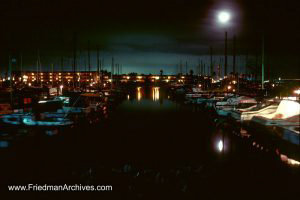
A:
[150,99]
[155,93]
[141,93]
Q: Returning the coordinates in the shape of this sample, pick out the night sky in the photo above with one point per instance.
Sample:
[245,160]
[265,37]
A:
[146,36]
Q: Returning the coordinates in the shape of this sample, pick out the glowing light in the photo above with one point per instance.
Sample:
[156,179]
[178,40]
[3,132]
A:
[288,160]
[128,96]
[224,17]
[234,82]
[155,93]
[139,94]
[229,87]
[220,145]
[29,84]
[128,77]
[297,91]
[61,87]
[157,77]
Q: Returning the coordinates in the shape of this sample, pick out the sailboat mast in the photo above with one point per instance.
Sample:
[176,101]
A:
[263,64]
[112,71]
[234,54]
[37,71]
[74,62]
[211,62]
[98,67]
[21,66]
[186,68]
[89,60]
[61,70]
[52,75]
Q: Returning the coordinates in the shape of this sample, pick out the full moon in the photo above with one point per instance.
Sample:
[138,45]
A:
[224,17]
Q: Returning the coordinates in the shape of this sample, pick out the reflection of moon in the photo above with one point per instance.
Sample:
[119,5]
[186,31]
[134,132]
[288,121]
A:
[220,145]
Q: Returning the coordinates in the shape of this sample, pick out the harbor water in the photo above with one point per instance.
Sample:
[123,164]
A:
[149,145]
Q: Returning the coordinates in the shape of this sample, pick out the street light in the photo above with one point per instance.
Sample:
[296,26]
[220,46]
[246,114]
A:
[224,18]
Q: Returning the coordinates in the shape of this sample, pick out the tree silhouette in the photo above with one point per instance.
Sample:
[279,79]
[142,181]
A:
[161,72]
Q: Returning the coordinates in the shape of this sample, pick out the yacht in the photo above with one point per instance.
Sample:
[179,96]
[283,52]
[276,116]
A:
[287,113]
[224,107]
[245,115]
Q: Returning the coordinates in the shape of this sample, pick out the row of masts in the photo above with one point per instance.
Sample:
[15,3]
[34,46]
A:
[201,68]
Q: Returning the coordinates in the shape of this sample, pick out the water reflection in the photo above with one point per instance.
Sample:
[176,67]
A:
[220,145]
[221,141]
[149,98]
[155,93]
[139,93]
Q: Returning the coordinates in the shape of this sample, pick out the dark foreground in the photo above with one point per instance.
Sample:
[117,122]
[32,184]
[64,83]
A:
[148,147]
